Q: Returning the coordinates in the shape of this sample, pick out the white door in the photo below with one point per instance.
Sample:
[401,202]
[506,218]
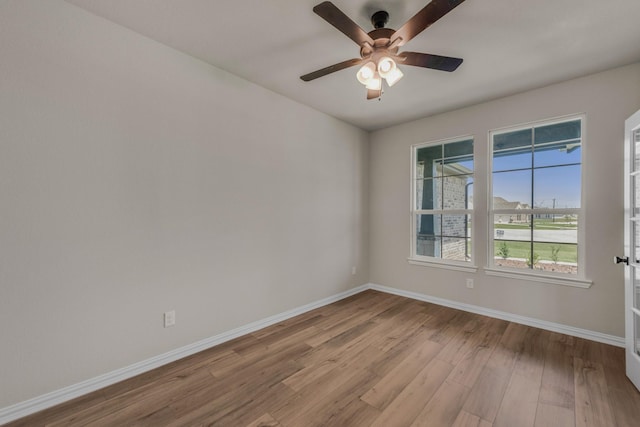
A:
[632,247]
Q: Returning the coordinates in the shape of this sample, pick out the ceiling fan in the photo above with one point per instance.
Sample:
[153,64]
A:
[379,47]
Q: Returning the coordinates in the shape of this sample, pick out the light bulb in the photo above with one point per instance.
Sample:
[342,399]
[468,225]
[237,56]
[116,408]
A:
[366,73]
[375,82]
[393,76]
[386,65]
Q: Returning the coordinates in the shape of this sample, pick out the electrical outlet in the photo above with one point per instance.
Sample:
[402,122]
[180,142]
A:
[353,270]
[470,283]
[169,318]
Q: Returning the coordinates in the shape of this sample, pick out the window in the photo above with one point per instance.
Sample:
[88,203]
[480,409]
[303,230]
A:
[442,202]
[535,204]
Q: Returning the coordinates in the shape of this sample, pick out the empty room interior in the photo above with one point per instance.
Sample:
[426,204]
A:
[205,222]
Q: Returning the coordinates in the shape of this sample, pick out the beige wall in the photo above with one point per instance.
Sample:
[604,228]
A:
[134,180]
[607,98]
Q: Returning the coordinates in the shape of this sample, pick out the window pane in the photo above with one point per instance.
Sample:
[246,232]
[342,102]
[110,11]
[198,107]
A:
[459,149]
[512,150]
[636,288]
[636,198]
[455,225]
[636,335]
[444,236]
[458,158]
[425,189]
[557,187]
[437,193]
[556,257]
[509,141]
[554,156]
[512,190]
[511,254]
[512,161]
[456,248]
[558,132]
[636,246]
[428,240]
[457,191]
[426,160]
[428,225]
[456,167]
[516,227]
[428,246]
[555,228]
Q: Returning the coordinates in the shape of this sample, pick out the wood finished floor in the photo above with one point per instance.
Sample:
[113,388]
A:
[375,359]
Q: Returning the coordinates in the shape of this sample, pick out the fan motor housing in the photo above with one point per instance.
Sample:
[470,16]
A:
[379,19]
[381,40]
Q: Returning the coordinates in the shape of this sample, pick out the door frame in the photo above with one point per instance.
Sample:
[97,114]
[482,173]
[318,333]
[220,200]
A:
[633,269]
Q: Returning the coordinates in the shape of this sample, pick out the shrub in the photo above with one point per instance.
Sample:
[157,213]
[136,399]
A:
[554,253]
[503,250]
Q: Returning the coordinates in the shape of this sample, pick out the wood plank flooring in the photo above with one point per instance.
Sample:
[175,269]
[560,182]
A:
[374,359]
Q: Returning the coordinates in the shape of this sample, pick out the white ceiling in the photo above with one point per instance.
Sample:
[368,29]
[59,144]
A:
[508,46]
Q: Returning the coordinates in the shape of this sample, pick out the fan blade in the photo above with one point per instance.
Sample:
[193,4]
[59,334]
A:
[331,69]
[373,94]
[334,16]
[435,10]
[436,62]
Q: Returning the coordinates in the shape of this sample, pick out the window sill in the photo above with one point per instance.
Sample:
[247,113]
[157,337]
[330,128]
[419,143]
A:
[444,265]
[554,280]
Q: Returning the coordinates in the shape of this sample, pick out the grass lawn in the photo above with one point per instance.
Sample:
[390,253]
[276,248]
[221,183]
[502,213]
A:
[567,253]
[511,226]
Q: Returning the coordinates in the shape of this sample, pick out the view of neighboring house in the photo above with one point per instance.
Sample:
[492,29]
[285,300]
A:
[500,203]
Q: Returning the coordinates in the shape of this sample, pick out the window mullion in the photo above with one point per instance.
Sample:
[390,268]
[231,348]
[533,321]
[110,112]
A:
[531,217]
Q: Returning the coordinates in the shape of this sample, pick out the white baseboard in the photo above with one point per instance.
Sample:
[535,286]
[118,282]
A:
[65,394]
[56,397]
[529,321]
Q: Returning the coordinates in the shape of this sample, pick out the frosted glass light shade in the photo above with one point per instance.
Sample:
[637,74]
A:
[366,72]
[386,65]
[393,76]
[375,82]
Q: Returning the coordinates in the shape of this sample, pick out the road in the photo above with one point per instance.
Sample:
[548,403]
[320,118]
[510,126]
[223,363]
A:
[556,236]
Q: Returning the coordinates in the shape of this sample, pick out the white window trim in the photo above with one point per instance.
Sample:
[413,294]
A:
[578,280]
[538,277]
[448,264]
[445,264]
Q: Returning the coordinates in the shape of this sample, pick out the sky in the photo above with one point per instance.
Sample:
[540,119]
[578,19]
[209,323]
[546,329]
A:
[555,176]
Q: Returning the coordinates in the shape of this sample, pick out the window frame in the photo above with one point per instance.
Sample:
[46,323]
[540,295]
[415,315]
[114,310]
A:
[414,258]
[576,280]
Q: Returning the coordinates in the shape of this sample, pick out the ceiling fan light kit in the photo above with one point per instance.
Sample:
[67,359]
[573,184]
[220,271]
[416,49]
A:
[386,69]
[379,47]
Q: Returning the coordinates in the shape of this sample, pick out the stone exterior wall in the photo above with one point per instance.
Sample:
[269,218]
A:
[448,240]
[455,225]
